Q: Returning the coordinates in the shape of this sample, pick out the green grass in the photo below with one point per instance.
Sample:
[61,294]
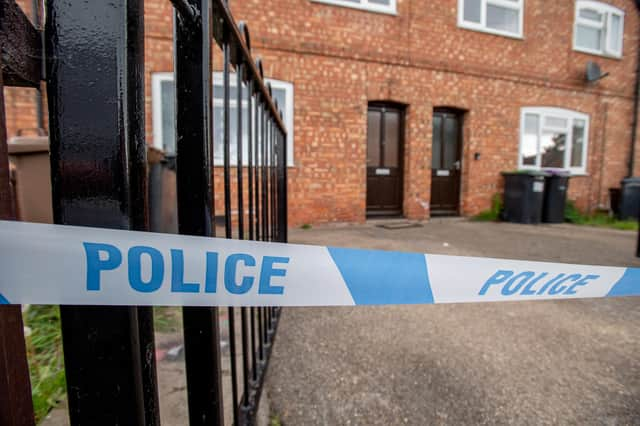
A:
[46,364]
[306,226]
[44,352]
[603,220]
[571,214]
[493,214]
[275,421]
[167,319]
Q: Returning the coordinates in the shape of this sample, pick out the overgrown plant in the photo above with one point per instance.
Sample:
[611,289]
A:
[46,363]
[494,213]
[573,215]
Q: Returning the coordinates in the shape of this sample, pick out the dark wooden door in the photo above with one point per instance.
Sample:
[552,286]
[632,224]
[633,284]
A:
[384,160]
[445,163]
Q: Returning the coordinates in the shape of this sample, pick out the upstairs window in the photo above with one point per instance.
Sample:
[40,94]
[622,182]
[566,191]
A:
[553,138]
[503,17]
[598,29]
[382,6]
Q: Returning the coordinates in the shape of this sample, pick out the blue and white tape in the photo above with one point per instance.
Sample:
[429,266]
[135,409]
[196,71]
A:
[55,264]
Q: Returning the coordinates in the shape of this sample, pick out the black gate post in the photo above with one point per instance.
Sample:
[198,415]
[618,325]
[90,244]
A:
[193,38]
[98,165]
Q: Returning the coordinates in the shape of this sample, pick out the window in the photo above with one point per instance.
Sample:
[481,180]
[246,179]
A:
[553,138]
[163,104]
[503,17]
[382,6]
[598,29]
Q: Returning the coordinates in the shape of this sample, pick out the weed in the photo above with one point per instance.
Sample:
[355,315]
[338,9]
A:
[46,364]
[493,214]
[573,215]
[167,319]
[275,421]
[306,226]
[44,352]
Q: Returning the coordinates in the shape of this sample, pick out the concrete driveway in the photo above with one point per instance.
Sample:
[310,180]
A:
[560,362]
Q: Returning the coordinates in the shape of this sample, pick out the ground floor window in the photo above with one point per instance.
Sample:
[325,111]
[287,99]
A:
[163,104]
[553,138]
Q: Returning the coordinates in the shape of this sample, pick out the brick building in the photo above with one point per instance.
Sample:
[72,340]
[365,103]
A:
[414,107]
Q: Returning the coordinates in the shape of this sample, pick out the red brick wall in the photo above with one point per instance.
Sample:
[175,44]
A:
[339,59]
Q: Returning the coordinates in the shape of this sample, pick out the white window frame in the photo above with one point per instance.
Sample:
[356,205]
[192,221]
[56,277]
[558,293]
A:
[563,113]
[608,12]
[482,25]
[363,5]
[156,106]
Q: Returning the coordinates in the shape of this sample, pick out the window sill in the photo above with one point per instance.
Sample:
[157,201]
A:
[596,53]
[383,11]
[479,29]
[538,169]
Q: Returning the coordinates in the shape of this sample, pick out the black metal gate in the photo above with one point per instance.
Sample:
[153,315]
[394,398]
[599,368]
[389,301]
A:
[95,88]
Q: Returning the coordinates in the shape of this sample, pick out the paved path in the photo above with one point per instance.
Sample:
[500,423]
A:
[568,362]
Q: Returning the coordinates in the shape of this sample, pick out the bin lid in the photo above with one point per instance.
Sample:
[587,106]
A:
[632,180]
[28,145]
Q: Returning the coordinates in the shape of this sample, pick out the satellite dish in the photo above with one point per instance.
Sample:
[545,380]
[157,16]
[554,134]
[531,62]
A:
[594,73]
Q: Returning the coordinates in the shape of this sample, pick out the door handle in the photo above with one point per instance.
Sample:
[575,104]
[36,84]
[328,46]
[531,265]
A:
[456,165]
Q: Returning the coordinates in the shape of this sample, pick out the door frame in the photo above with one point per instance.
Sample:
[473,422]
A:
[401,109]
[460,114]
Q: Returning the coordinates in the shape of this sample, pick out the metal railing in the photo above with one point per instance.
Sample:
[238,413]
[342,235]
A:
[95,88]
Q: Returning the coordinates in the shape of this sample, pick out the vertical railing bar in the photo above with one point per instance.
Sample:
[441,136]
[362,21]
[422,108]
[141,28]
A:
[250,156]
[258,139]
[263,176]
[265,213]
[245,356]
[276,170]
[274,167]
[276,185]
[240,177]
[254,369]
[283,164]
[270,210]
[251,219]
[140,217]
[194,139]
[232,356]
[259,202]
[268,178]
[260,335]
[226,136]
[274,190]
[271,186]
[283,190]
[239,155]
[265,324]
[227,205]
[267,165]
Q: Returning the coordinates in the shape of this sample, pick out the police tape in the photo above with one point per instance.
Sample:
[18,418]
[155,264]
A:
[56,264]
